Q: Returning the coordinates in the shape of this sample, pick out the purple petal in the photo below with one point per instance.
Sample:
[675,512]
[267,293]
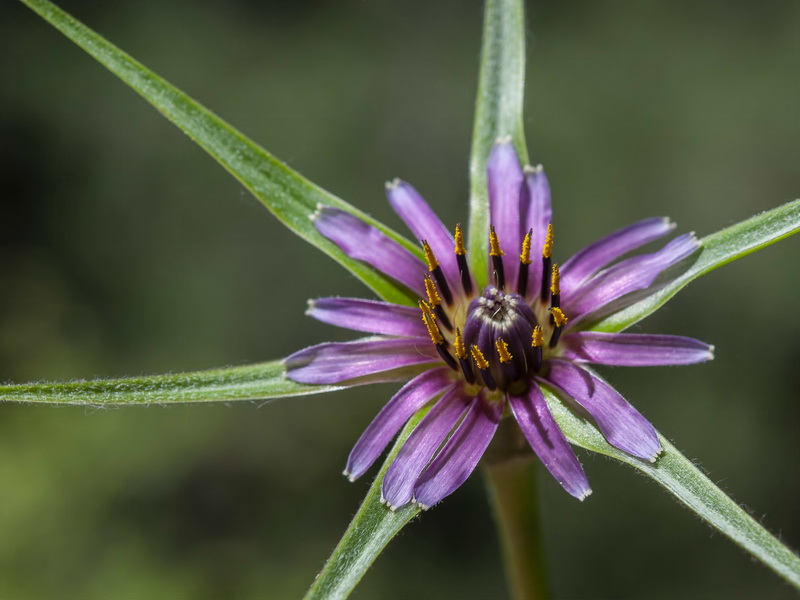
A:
[425,225]
[461,453]
[368,315]
[537,214]
[412,396]
[362,241]
[504,180]
[621,424]
[548,442]
[337,362]
[398,484]
[634,349]
[631,275]
[604,251]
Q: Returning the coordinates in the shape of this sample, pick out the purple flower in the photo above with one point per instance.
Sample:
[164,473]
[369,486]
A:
[477,355]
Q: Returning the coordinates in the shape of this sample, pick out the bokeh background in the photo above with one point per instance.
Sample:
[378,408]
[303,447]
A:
[126,250]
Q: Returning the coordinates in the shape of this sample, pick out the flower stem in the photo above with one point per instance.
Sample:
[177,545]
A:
[512,490]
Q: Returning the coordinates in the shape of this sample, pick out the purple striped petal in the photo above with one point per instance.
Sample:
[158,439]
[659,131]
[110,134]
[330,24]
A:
[537,214]
[398,484]
[412,396]
[634,349]
[621,424]
[604,251]
[548,442]
[362,241]
[368,315]
[425,225]
[337,362]
[461,453]
[504,180]
[631,275]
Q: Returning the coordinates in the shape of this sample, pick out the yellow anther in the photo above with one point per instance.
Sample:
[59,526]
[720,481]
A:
[525,255]
[537,340]
[502,351]
[425,308]
[547,250]
[429,256]
[433,295]
[558,316]
[433,330]
[460,249]
[555,280]
[480,360]
[461,352]
[494,243]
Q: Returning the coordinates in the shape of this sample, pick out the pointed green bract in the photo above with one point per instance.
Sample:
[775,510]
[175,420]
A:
[498,113]
[371,529]
[681,478]
[717,249]
[263,381]
[288,195]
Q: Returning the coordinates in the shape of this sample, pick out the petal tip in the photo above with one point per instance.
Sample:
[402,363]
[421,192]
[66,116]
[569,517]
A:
[532,169]
[350,477]
[393,184]
[502,140]
[586,493]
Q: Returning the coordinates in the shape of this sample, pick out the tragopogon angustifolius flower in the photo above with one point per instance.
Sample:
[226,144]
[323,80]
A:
[478,355]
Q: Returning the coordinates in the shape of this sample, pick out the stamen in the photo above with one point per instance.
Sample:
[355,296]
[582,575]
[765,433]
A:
[430,258]
[537,341]
[430,290]
[547,252]
[555,289]
[433,267]
[505,359]
[479,358]
[439,341]
[436,302]
[524,261]
[433,329]
[497,258]
[461,353]
[425,308]
[502,351]
[560,320]
[460,249]
[483,365]
[558,316]
[461,259]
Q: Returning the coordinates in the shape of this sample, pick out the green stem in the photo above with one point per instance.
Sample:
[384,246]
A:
[513,496]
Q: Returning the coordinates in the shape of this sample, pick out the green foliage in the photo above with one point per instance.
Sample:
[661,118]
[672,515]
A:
[718,249]
[263,381]
[498,113]
[290,197]
[681,478]
[371,529]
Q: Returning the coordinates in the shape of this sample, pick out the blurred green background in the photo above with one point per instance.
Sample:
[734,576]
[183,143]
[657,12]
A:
[126,250]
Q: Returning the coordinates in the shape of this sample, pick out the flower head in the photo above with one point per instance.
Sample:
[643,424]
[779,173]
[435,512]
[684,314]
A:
[475,355]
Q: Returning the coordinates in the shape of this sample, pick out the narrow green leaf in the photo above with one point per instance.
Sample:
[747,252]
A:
[498,113]
[718,249]
[263,381]
[681,478]
[288,195]
[369,532]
